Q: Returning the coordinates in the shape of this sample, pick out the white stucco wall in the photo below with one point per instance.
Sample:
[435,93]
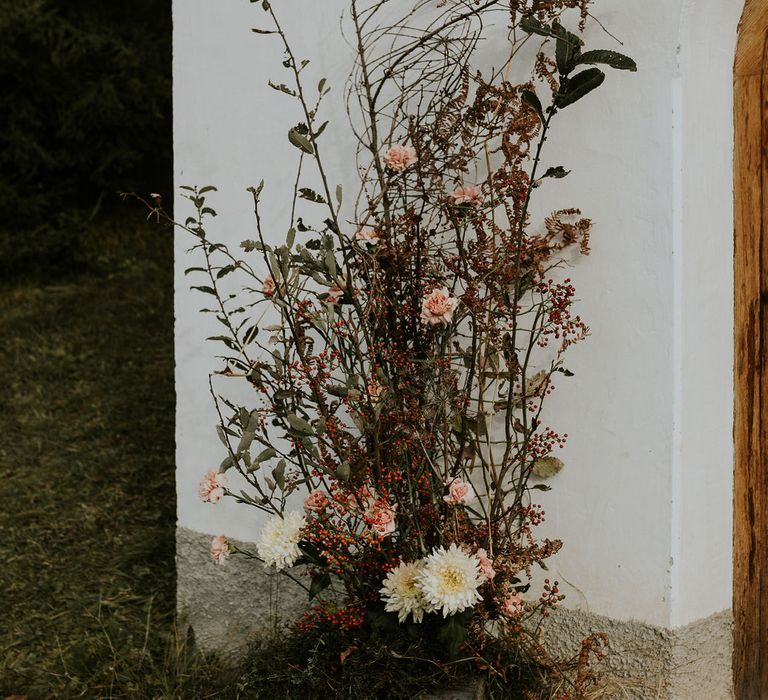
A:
[644,502]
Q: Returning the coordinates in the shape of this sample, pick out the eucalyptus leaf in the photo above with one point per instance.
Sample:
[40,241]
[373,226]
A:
[266,454]
[300,141]
[547,467]
[278,473]
[299,425]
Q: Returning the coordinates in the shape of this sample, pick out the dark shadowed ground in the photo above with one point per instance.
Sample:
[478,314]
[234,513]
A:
[87,503]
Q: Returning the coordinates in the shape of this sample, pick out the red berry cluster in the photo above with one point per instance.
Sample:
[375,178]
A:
[328,615]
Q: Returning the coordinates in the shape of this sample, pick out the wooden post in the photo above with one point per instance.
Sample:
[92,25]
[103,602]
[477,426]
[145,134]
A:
[750,602]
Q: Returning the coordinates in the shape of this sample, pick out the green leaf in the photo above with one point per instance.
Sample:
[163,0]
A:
[206,290]
[281,87]
[580,85]
[330,262]
[266,454]
[207,188]
[608,58]
[342,473]
[567,50]
[338,194]
[291,237]
[245,441]
[299,425]
[256,191]
[278,473]
[311,195]
[557,172]
[531,99]
[262,31]
[547,467]
[250,335]
[532,26]
[300,141]
[318,585]
[224,339]
[311,553]
[452,636]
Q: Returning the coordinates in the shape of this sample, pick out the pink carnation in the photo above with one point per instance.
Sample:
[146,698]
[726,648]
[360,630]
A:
[211,488]
[365,496]
[268,286]
[466,194]
[513,606]
[367,235]
[374,391]
[398,158]
[486,565]
[381,517]
[316,502]
[459,492]
[219,549]
[334,294]
[438,306]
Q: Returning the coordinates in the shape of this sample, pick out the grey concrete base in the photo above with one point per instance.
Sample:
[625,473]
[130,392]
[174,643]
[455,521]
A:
[651,663]
[229,606]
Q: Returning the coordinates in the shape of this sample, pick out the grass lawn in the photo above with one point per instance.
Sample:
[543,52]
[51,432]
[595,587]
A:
[87,503]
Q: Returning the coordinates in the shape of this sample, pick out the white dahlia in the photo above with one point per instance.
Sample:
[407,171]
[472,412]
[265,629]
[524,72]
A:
[278,543]
[402,595]
[449,580]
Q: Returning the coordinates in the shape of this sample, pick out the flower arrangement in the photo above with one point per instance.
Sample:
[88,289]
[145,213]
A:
[397,396]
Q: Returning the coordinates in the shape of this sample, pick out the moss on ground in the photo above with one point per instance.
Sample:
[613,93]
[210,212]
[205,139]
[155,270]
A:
[87,506]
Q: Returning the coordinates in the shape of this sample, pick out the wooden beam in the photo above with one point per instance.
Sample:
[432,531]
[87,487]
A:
[749,55]
[750,369]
